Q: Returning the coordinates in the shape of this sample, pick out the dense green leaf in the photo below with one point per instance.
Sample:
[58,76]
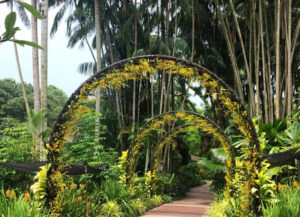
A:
[10,21]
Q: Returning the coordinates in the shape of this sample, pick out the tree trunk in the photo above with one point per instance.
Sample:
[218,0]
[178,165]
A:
[277,57]
[162,20]
[266,108]
[249,73]
[99,60]
[139,100]
[251,48]
[166,108]
[269,72]
[135,49]
[230,47]
[158,26]
[162,84]
[167,21]
[22,83]
[90,49]
[193,32]
[147,158]
[21,77]
[256,48]
[44,63]
[98,34]
[35,61]
[152,95]
[295,39]
[289,58]
[135,28]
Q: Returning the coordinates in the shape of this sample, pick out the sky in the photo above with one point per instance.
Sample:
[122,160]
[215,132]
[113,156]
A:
[62,61]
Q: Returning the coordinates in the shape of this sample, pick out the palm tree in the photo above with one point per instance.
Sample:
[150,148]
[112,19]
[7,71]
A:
[44,62]
[35,61]
[98,47]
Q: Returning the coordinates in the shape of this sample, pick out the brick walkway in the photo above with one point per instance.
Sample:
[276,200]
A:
[194,204]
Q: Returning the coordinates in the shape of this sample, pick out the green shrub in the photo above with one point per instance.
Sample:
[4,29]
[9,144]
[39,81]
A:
[288,204]
[213,168]
[156,200]
[16,146]
[13,206]
[227,208]
[139,206]
[74,202]
[166,198]
[112,190]
[115,194]
[218,208]
[186,177]
[111,209]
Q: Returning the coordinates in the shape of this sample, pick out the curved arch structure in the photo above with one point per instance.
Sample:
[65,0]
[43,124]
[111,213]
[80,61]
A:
[115,76]
[193,120]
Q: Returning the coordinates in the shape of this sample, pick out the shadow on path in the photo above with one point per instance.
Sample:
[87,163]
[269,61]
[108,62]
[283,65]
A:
[194,204]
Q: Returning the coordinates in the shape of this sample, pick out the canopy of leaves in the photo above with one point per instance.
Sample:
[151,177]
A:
[12,108]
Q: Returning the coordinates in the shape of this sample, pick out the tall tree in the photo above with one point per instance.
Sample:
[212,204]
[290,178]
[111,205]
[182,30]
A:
[229,42]
[249,73]
[135,50]
[21,76]
[289,56]
[35,60]
[44,62]
[277,57]
[99,58]
[193,31]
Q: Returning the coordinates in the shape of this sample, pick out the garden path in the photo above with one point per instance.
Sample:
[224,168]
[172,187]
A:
[194,204]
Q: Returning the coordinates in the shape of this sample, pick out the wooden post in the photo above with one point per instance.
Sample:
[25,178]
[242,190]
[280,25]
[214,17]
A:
[86,190]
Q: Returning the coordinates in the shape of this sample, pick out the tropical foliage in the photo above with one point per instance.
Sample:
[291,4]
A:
[143,112]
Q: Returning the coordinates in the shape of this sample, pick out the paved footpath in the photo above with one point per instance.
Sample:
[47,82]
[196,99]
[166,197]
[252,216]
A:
[194,204]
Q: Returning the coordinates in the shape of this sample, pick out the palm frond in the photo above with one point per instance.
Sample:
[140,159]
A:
[24,17]
[217,155]
[87,68]
[58,17]
[209,165]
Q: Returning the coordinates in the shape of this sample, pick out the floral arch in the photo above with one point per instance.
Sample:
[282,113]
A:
[192,120]
[116,75]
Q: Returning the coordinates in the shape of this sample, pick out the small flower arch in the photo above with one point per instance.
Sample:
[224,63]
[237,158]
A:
[194,121]
[115,76]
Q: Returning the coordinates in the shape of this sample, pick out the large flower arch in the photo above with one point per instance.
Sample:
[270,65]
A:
[115,76]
